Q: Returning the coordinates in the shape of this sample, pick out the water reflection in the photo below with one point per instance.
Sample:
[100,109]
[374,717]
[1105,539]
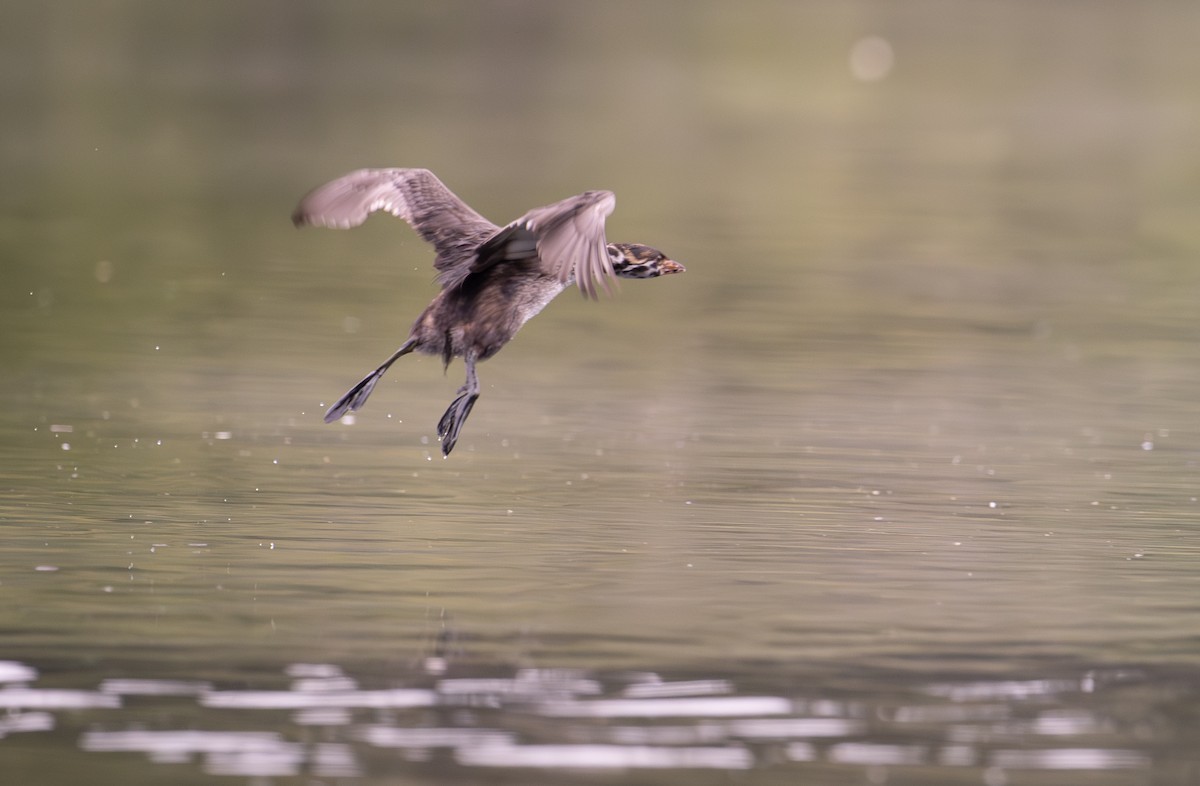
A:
[225,753]
[554,719]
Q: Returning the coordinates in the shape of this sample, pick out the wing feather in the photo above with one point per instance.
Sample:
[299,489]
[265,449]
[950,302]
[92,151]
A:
[570,239]
[567,236]
[415,195]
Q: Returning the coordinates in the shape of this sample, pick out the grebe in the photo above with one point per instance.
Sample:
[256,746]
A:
[493,279]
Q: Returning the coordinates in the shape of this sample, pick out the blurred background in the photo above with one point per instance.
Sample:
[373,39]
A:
[897,484]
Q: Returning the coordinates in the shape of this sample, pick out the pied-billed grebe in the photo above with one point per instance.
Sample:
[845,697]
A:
[493,279]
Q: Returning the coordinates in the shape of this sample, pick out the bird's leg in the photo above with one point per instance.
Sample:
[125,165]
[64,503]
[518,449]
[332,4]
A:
[456,415]
[357,396]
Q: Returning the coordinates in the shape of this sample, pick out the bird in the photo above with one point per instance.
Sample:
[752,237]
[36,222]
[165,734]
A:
[493,279]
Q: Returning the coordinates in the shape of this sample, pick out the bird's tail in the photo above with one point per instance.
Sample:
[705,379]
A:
[357,396]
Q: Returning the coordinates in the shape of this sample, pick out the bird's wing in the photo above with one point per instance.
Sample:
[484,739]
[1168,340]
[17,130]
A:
[417,196]
[568,236]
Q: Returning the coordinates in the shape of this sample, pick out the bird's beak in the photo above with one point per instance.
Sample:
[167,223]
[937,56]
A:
[670,266]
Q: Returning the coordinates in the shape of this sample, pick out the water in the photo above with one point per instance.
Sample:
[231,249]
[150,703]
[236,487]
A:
[897,484]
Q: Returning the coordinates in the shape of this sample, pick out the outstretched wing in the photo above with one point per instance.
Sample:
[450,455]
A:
[417,196]
[567,236]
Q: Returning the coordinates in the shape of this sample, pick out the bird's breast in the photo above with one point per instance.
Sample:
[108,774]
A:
[481,320]
[532,298]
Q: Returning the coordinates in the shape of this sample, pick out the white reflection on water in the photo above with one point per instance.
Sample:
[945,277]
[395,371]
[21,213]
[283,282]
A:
[708,707]
[177,746]
[15,698]
[1069,759]
[298,699]
[11,671]
[259,754]
[604,757]
[564,719]
[25,721]
[745,728]
[534,684]
[1008,689]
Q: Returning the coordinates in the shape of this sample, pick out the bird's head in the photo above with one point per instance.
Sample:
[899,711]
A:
[633,260]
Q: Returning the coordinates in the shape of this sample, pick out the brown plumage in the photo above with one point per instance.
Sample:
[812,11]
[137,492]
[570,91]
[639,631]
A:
[493,279]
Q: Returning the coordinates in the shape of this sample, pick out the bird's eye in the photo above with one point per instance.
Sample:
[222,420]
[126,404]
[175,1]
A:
[614,254]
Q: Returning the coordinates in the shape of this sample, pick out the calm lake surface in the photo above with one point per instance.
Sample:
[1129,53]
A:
[898,484]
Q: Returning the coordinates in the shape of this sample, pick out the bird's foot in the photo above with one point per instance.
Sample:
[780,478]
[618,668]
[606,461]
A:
[452,421]
[355,397]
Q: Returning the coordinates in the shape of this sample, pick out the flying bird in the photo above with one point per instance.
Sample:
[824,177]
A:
[493,279]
